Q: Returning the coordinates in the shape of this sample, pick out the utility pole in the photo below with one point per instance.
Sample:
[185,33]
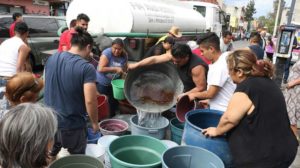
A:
[291,12]
[277,18]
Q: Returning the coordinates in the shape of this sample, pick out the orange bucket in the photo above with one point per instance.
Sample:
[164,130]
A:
[103,107]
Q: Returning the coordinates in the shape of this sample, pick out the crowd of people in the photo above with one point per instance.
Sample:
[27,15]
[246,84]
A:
[236,82]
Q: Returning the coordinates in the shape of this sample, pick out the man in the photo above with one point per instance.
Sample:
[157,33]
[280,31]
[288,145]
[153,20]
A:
[14,52]
[65,38]
[225,42]
[191,69]
[255,46]
[17,17]
[70,89]
[220,85]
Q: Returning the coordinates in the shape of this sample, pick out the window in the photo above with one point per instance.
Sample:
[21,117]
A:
[42,27]
[5,23]
[201,9]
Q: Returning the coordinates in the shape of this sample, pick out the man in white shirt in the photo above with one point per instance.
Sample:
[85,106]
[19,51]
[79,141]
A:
[220,86]
[226,42]
[14,52]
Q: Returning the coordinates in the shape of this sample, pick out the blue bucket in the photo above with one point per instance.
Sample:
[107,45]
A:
[176,130]
[92,138]
[195,121]
[191,157]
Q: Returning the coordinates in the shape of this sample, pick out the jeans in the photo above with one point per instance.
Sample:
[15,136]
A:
[113,103]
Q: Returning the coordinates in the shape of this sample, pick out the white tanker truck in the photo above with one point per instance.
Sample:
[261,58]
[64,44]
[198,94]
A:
[142,22]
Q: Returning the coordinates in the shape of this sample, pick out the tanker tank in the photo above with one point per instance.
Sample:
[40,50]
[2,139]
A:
[136,16]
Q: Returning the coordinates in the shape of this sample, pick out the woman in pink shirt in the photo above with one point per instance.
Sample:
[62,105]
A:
[270,48]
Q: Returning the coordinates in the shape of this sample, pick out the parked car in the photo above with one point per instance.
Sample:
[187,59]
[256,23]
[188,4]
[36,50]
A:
[43,35]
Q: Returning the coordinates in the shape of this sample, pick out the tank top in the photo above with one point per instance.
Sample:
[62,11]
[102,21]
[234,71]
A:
[263,138]
[185,72]
[9,51]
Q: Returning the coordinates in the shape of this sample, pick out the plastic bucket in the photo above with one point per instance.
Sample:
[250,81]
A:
[157,132]
[195,121]
[103,107]
[95,150]
[176,130]
[183,106]
[191,157]
[92,137]
[118,89]
[113,127]
[77,161]
[132,151]
[105,142]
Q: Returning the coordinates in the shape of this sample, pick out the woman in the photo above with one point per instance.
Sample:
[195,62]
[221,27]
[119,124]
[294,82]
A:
[26,136]
[20,88]
[270,48]
[292,98]
[112,64]
[256,119]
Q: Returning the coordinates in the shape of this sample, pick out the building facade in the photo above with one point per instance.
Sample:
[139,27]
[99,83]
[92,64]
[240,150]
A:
[37,7]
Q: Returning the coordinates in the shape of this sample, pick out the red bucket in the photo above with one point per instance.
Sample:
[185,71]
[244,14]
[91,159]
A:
[103,107]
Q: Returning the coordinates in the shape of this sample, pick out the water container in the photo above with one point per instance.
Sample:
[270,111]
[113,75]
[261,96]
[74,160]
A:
[176,130]
[158,132]
[195,121]
[92,137]
[136,151]
[190,157]
[77,161]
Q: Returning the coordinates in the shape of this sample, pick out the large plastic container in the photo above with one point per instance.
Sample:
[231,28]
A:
[136,151]
[103,107]
[118,88]
[77,161]
[176,130]
[190,157]
[157,132]
[195,121]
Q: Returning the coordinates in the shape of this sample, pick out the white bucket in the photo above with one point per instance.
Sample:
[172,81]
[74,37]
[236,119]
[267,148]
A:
[95,150]
[105,142]
[169,143]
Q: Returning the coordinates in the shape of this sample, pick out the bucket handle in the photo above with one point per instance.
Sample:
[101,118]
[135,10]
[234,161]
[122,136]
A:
[153,131]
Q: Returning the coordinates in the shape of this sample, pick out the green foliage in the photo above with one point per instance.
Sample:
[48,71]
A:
[250,11]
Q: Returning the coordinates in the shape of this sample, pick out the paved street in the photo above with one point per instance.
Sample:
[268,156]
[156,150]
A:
[244,44]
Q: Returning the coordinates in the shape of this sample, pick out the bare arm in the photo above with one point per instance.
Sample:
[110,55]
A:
[293,83]
[103,66]
[208,94]
[151,60]
[198,75]
[90,97]
[23,54]
[238,107]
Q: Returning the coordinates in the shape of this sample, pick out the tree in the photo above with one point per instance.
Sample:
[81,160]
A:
[250,11]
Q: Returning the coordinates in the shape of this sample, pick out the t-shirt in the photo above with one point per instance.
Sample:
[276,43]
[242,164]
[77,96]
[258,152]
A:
[225,47]
[105,78]
[185,72]
[263,138]
[65,75]
[12,29]
[258,51]
[200,55]
[157,49]
[218,76]
[65,39]
[9,53]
